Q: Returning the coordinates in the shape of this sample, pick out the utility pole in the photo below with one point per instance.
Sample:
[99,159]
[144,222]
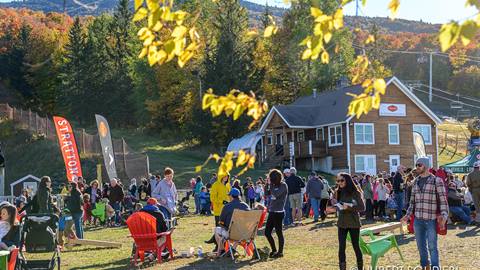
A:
[430,83]
[356,8]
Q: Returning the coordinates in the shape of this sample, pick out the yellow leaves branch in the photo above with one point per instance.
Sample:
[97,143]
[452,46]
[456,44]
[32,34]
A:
[165,36]
[235,103]
[227,163]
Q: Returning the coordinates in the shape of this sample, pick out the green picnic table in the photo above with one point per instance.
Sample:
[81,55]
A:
[4,259]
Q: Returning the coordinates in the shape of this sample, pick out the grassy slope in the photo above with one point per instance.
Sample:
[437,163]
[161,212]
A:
[308,247]
[26,154]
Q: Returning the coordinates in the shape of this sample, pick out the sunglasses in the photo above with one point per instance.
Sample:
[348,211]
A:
[419,165]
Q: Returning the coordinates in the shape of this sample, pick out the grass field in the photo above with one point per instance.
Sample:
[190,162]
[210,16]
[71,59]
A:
[313,246]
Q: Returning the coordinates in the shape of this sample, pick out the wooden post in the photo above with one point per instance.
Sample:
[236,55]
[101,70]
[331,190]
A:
[83,141]
[124,156]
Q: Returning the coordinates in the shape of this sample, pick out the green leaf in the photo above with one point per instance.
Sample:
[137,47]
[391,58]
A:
[467,32]
[475,3]
[140,14]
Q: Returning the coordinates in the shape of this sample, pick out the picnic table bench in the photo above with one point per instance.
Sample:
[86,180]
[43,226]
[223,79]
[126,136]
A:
[391,226]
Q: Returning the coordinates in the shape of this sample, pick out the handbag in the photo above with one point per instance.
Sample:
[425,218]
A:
[440,231]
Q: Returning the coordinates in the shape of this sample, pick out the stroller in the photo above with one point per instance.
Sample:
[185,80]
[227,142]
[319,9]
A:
[38,234]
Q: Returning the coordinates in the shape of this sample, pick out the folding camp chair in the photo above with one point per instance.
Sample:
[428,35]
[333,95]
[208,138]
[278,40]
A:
[242,231]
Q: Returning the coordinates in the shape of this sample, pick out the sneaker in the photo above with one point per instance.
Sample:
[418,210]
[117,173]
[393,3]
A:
[278,255]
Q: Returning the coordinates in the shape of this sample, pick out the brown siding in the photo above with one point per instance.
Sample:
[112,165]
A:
[382,149]
[338,153]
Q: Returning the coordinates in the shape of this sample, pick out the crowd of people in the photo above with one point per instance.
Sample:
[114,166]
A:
[425,197]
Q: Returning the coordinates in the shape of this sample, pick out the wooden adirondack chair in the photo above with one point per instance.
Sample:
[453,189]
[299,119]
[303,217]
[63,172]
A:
[143,230]
[377,246]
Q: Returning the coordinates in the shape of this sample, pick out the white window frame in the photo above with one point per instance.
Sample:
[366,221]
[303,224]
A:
[330,137]
[365,157]
[270,138]
[358,125]
[320,131]
[298,135]
[281,138]
[430,131]
[398,134]
[430,159]
[390,157]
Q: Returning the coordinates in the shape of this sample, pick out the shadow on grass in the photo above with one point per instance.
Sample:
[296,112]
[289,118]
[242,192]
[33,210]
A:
[470,233]
[322,225]
[221,263]
[404,239]
[86,249]
[117,265]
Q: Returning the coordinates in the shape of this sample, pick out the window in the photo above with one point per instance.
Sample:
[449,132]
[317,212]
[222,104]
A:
[279,139]
[300,135]
[425,131]
[364,133]
[335,135]
[269,138]
[393,134]
[320,135]
[430,159]
[366,164]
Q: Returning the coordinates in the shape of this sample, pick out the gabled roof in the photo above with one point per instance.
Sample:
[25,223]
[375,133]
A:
[331,107]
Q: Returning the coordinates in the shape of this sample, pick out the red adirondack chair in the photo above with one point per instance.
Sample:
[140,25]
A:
[143,230]
[13,259]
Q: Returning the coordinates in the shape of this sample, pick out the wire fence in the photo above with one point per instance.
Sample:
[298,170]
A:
[129,164]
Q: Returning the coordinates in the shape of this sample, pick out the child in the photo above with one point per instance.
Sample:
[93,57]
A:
[8,216]
[251,195]
[87,209]
[65,227]
[205,201]
[110,215]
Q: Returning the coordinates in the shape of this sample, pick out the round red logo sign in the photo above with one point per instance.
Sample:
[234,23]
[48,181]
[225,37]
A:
[392,108]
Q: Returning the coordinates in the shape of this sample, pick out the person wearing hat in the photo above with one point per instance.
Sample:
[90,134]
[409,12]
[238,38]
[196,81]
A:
[152,209]
[221,232]
[428,195]
[295,185]
[473,184]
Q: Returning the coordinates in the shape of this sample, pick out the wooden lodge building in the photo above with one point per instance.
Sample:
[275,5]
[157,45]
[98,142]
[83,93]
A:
[315,133]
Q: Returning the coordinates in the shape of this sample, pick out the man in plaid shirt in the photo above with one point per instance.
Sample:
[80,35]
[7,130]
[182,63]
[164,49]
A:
[428,195]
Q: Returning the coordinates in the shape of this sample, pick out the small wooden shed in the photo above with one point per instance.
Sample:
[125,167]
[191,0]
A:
[27,182]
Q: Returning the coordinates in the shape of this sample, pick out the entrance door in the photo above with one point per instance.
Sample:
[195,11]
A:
[279,139]
[394,162]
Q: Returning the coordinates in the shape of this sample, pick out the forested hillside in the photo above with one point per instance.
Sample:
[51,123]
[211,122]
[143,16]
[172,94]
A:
[255,11]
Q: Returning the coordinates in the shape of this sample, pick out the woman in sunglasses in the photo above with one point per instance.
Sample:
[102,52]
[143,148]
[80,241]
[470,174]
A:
[350,203]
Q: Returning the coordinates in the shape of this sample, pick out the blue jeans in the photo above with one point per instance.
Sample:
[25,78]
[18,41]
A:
[462,212]
[287,219]
[399,200]
[315,204]
[77,219]
[197,203]
[116,207]
[426,236]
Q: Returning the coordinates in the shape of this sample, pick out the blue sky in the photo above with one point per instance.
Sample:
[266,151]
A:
[433,11]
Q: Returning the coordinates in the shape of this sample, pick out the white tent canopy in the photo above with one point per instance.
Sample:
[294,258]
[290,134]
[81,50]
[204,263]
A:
[247,143]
